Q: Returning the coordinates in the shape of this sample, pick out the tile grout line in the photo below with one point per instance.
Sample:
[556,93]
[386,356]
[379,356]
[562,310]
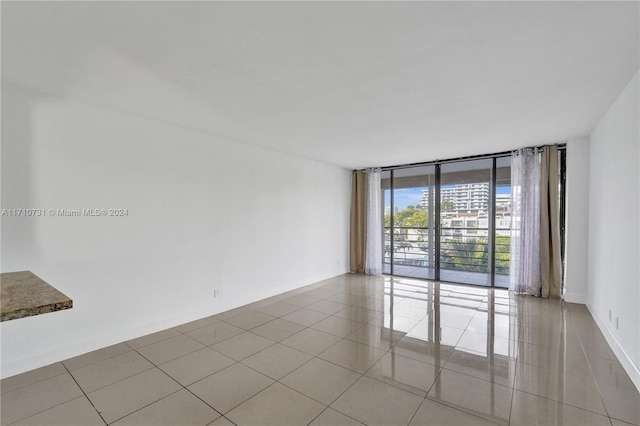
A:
[361,375]
[84,393]
[172,393]
[30,384]
[588,360]
[313,357]
[259,372]
[513,389]
[61,403]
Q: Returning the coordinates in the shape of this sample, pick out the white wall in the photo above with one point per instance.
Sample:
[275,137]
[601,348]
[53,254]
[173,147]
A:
[576,232]
[204,213]
[614,194]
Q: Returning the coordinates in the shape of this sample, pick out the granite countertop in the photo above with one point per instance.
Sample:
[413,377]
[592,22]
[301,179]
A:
[24,294]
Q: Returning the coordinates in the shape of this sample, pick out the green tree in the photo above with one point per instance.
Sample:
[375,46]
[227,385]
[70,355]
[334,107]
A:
[469,255]
[503,254]
[410,217]
[410,229]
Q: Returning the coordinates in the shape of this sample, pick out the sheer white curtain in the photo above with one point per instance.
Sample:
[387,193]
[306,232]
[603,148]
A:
[373,249]
[524,269]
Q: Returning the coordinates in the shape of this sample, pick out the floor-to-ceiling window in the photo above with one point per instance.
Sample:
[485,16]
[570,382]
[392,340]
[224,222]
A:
[448,221]
[451,220]
[465,209]
[409,212]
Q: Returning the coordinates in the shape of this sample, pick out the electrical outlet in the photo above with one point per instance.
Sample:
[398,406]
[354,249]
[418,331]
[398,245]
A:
[617,322]
[215,293]
[609,314]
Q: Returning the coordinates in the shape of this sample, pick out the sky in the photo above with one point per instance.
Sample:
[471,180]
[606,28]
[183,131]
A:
[412,196]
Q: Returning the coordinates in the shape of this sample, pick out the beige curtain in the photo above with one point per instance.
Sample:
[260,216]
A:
[358,221]
[550,262]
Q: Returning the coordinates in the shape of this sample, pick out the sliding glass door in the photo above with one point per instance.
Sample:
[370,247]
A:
[449,221]
[409,212]
[465,201]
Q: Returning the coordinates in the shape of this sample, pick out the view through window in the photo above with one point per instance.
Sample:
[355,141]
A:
[469,241]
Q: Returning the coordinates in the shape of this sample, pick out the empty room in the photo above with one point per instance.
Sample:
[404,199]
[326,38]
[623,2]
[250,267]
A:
[320,213]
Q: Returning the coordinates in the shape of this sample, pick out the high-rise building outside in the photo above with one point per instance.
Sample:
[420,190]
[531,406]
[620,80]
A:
[467,197]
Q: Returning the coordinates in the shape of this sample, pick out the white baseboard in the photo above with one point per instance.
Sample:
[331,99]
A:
[576,298]
[627,362]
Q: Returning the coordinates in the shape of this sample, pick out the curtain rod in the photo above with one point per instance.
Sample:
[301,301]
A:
[467,158]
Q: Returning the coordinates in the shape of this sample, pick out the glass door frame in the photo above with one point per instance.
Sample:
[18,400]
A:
[393,236]
[490,220]
[436,223]
[436,233]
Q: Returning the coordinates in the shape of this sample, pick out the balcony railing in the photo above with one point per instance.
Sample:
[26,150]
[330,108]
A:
[461,249]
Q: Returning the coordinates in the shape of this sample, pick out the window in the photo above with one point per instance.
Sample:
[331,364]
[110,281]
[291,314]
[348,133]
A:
[450,220]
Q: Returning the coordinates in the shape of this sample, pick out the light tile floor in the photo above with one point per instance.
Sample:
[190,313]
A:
[350,350]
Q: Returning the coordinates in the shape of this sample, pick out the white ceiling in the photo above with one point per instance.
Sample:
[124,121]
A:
[353,83]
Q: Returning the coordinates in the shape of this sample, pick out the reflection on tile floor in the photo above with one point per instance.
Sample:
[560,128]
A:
[349,350]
